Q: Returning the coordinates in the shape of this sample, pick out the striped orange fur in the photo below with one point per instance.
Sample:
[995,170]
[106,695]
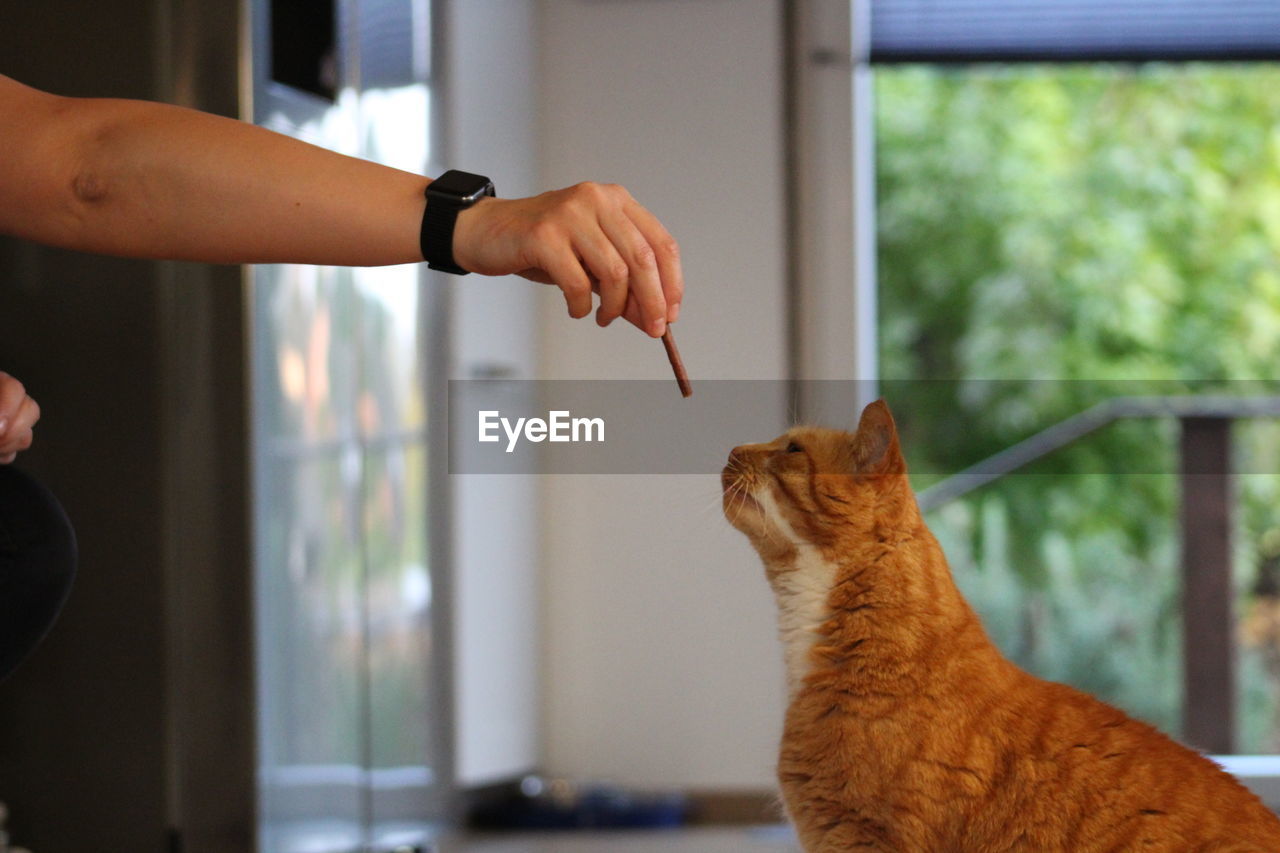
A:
[907,730]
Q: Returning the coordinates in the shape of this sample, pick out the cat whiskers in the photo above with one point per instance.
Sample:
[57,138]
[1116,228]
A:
[737,493]
[739,496]
[715,503]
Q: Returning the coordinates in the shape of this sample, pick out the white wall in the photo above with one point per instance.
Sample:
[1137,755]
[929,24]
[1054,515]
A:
[661,665]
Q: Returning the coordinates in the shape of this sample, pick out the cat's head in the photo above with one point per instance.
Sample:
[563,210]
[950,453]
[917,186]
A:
[813,486]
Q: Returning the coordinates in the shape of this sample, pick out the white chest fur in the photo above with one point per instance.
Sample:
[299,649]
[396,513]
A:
[801,591]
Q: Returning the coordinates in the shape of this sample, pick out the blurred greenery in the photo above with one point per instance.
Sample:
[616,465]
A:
[1081,231]
[343,588]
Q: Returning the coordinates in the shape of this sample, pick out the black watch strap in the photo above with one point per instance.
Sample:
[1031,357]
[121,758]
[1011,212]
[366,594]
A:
[447,196]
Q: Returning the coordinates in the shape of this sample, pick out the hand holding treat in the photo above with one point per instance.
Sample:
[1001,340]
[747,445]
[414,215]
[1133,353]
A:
[588,238]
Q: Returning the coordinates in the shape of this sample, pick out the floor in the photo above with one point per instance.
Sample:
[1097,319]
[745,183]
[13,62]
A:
[763,839]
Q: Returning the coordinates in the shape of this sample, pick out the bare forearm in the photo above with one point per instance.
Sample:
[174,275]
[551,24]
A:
[159,181]
[151,180]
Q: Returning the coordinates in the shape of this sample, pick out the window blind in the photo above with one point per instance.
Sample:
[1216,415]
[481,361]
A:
[1073,30]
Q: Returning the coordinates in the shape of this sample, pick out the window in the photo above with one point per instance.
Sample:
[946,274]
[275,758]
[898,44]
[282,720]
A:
[1080,231]
[352,725]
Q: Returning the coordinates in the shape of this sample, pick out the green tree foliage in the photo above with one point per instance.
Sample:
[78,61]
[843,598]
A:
[1078,232]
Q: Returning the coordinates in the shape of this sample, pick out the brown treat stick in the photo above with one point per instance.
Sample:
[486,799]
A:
[677,365]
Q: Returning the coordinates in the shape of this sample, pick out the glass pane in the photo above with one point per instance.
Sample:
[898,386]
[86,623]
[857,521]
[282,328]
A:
[1258,585]
[392,385]
[311,650]
[1063,228]
[403,670]
[307,353]
[350,718]
[406,710]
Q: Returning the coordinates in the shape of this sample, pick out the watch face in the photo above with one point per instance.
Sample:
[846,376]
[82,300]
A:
[463,186]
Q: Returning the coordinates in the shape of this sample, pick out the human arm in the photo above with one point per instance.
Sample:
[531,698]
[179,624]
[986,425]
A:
[150,180]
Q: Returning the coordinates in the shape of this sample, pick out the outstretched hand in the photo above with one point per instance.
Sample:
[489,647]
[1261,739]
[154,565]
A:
[588,238]
[18,415]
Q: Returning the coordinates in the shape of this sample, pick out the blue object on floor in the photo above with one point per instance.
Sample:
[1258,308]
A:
[591,807]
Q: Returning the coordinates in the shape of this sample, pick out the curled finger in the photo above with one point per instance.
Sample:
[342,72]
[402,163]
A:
[666,253]
[644,284]
[607,267]
[565,271]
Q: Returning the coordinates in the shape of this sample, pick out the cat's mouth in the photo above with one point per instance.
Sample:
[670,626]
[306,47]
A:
[737,492]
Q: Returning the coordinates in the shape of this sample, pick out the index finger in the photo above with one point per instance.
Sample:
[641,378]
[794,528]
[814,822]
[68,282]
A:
[645,286]
[666,253]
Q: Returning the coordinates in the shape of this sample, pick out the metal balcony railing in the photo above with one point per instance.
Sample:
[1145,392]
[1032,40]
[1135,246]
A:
[1205,470]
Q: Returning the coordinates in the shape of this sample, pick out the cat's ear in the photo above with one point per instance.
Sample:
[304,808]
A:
[875,445]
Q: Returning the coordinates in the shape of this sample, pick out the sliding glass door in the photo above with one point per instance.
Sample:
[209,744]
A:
[351,707]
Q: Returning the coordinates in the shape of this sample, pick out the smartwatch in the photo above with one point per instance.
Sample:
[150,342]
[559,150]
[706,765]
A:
[447,196]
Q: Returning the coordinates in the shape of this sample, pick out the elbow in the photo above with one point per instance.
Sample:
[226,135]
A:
[83,195]
[66,180]
[88,187]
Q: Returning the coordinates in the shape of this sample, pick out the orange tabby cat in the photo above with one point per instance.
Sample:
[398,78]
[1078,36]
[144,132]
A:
[907,730]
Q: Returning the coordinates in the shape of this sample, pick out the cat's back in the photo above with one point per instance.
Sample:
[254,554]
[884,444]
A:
[983,757]
[1002,764]
[1080,775]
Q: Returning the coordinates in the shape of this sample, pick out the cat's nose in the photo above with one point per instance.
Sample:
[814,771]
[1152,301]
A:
[737,457]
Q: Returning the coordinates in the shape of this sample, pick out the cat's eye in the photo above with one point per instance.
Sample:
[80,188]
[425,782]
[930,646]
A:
[794,448]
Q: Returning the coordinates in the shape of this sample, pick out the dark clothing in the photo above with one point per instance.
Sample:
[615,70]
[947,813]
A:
[37,564]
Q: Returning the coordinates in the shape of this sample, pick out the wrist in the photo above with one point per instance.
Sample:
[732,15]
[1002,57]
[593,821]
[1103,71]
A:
[467,237]
[449,197]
